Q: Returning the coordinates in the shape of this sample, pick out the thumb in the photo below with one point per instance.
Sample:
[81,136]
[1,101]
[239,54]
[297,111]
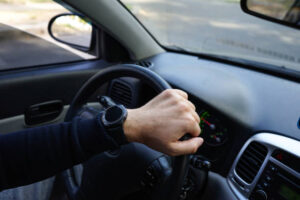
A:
[189,146]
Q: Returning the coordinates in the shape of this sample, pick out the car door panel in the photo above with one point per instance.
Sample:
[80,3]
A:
[21,89]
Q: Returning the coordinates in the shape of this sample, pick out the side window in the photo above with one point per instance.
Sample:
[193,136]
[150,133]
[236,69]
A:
[26,42]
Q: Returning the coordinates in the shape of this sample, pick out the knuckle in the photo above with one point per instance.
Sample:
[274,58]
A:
[198,118]
[193,106]
[190,121]
[176,97]
[185,94]
[197,121]
[183,106]
[176,101]
[169,93]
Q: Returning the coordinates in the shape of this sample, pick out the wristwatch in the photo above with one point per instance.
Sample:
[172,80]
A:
[112,119]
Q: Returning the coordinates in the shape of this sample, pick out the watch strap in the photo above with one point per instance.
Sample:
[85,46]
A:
[116,133]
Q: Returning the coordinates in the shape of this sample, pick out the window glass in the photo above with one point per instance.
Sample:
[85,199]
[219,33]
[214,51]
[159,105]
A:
[218,27]
[24,37]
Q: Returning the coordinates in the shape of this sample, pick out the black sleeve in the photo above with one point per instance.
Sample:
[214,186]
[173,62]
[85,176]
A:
[38,153]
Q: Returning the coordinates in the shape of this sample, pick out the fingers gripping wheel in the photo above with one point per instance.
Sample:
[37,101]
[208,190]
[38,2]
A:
[158,84]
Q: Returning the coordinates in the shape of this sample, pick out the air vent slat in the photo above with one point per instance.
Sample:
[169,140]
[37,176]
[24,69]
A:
[245,175]
[246,164]
[121,93]
[257,153]
[260,148]
[119,97]
[123,99]
[251,161]
[124,87]
[144,63]
[252,155]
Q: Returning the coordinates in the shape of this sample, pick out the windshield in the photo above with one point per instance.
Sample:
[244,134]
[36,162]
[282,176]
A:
[218,27]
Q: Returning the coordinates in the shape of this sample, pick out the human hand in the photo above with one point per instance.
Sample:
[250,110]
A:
[161,122]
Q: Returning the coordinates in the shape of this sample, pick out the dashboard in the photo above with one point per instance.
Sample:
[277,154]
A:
[240,108]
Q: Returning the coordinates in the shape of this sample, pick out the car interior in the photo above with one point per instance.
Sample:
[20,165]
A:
[249,110]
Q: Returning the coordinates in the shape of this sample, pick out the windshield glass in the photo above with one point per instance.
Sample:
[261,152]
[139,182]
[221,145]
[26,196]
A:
[218,27]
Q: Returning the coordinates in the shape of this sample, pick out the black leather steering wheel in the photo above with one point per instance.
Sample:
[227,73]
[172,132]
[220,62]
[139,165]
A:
[180,163]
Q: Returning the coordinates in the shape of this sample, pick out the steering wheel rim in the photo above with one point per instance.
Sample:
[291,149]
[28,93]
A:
[180,163]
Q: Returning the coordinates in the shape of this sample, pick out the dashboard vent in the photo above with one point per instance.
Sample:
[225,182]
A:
[144,63]
[121,93]
[251,161]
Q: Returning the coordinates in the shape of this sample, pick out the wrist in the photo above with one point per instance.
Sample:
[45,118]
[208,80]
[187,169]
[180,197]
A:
[130,127]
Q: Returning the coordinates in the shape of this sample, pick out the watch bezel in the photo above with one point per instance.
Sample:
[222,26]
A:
[115,123]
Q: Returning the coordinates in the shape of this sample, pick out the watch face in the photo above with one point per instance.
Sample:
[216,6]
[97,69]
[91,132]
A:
[113,114]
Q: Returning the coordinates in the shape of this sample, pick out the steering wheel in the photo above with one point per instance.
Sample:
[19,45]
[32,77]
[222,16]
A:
[179,164]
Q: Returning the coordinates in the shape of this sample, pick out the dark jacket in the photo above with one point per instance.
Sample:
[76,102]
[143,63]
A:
[35,154]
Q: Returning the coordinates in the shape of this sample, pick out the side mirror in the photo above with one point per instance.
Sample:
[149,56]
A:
[73,30]
[285,12]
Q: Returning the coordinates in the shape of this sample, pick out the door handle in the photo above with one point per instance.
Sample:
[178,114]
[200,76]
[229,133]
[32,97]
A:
[43,112]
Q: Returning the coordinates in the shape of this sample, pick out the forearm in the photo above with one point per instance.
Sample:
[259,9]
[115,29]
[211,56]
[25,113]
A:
[35,154]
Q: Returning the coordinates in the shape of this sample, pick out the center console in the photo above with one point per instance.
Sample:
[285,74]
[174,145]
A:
[267,168]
